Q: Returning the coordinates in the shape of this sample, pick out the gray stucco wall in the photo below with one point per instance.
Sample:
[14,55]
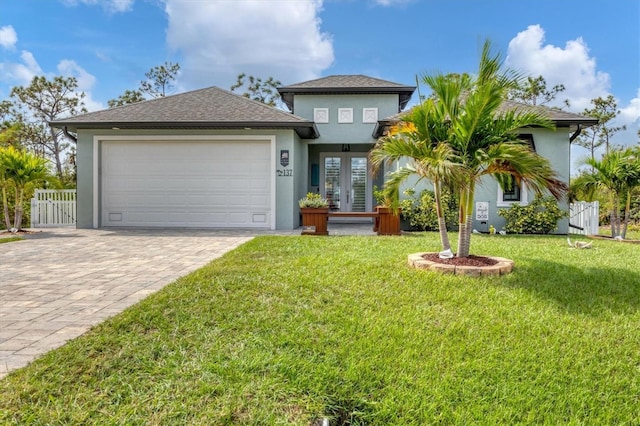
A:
[288,178]
[351,133]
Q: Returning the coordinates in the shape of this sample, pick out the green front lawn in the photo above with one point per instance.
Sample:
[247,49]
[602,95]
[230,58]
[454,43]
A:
[8,239]
[286,330]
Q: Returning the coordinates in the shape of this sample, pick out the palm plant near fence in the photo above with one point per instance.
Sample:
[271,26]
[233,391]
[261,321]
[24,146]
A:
[617,174]
[20,168]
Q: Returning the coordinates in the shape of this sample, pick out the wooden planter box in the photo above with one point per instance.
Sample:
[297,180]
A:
[314,221]
[387,223]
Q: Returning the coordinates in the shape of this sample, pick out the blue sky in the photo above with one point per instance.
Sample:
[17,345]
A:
[591,47]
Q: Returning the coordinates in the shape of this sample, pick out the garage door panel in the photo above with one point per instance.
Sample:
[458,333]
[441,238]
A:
[258,185]
[186,184]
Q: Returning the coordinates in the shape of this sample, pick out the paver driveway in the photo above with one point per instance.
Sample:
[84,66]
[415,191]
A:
[58,283]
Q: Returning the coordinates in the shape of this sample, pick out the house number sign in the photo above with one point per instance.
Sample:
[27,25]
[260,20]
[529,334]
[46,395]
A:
[284,172]
[284,162]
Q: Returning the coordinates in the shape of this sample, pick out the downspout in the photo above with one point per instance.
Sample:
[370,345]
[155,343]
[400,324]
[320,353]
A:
[73,138]
[576,134]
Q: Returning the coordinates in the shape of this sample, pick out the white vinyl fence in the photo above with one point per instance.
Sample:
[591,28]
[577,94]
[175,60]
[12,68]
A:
[584,218]
[52,208]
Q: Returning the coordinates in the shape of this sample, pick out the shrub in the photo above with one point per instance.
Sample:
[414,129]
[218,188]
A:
[420,212]
[541,216]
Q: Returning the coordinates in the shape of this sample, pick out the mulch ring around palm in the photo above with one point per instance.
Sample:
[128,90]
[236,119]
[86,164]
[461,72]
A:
[472,260]
[471,266]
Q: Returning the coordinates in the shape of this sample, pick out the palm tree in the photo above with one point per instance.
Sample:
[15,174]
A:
[617,173]
[463,132]
[22,168]
[484,138]
[630,172]
[421,138]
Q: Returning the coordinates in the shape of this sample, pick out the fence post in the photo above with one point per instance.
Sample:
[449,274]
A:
[595,217]
[34,212]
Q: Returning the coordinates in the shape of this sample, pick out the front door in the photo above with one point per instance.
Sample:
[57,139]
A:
[345,181]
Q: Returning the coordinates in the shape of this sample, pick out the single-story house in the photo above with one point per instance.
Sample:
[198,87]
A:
[210,158]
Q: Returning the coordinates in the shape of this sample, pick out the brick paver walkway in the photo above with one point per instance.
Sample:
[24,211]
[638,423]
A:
[57,283]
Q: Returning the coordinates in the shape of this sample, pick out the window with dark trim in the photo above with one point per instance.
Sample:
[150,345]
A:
[513,193]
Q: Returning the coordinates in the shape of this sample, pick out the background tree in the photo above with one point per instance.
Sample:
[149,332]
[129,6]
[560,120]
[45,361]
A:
[44,101]
[258,90]
[10,125]
[6,112]
[533,91]
[605,110]
[160,81]
[128,97]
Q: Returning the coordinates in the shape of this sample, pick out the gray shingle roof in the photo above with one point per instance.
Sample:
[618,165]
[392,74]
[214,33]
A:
[345,81]
[205,108]
[347,84]
[559,118]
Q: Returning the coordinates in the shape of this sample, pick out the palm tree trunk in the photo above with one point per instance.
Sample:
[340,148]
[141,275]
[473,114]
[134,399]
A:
[465,218]
[466,248]
[5,208]
[17,220]
[627,212]
[614,218]
[462,222]
[442,224]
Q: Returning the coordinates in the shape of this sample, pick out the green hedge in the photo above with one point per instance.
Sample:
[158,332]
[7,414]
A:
[541,216]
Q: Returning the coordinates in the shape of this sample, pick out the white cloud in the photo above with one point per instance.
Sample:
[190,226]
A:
[70,68]
[20,73]
[571,66]
[8,37]
[86,81]
[219,40]
[631,113]
[630,117]
[111,6]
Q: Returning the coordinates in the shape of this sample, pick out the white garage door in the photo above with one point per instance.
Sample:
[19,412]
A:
[193,184]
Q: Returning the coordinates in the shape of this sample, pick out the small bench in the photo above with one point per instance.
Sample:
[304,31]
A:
[353,214]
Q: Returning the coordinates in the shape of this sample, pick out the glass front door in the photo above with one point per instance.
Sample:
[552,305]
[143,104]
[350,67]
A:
[345,181]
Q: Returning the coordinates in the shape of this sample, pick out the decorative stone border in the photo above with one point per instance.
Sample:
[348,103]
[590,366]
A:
[503,267]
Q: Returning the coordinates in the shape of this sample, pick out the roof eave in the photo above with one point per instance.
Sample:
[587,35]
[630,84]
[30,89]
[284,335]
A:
[305,129]
[565,122]
[382,125]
